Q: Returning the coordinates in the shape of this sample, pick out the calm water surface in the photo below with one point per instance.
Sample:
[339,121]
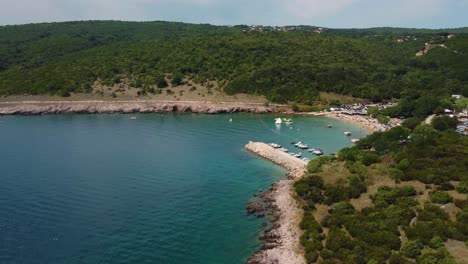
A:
[159,189]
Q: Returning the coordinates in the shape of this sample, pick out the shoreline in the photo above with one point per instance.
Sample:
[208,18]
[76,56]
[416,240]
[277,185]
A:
[282,243]
[147,106]
[47,107]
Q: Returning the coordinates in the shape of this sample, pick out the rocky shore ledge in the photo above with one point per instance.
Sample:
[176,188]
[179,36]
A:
[62,107]
[282,244]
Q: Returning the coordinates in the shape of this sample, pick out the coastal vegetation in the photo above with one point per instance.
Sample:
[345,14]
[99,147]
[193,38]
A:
[293,66]
[395,197]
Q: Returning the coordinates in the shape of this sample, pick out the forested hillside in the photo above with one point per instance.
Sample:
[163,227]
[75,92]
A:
[396,197]
[59,58]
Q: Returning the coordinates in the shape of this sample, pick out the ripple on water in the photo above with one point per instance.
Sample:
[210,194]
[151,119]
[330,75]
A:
[159,189]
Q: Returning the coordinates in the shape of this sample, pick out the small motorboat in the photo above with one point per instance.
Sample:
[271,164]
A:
[317,152]
[303,146]
[278,121]
[355,140]
[347,133]
[133,117]
[329,126]
[230,120]
[274,145]
[284,150]
[298,155]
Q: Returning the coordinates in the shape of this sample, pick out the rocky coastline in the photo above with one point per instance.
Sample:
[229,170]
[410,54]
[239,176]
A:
[109,107]
[281,240]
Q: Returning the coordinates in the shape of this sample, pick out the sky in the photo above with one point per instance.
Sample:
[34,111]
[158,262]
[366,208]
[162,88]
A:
[326,13]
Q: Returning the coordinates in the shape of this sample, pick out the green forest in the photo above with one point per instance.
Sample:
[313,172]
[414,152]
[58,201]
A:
[59,58]
[395,197]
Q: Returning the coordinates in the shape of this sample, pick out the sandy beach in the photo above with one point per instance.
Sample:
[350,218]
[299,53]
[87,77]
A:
[282,243]
[365,122]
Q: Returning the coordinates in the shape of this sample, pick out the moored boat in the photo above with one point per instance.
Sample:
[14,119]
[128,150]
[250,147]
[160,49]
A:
[274,145]
[284,150]
[317,152]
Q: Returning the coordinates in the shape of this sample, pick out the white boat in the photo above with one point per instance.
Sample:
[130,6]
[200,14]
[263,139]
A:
[303,146]
[355,140]
[329,126]
[317,152]
[284,150]
[298,155]
[278,121]
[230,120]
[274,145]
[133,117]
[311,150]
[300,143]
[347,133]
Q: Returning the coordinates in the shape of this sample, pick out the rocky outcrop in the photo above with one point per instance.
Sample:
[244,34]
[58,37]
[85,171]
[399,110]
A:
[282,244]
[63,107]
[281,241]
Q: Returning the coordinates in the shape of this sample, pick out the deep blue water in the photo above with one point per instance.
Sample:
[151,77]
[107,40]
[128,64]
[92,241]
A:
[159,189]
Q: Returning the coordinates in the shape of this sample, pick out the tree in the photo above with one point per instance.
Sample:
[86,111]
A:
[161,82]
[411,122]
[440,197]
[443,123]
[412,249]
[177,80]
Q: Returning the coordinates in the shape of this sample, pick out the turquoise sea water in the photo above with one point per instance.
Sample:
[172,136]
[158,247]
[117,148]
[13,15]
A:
[159,189]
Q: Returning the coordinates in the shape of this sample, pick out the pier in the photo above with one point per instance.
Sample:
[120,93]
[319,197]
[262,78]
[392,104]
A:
[295,166]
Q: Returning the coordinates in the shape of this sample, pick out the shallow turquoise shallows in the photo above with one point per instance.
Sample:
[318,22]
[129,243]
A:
[158,189]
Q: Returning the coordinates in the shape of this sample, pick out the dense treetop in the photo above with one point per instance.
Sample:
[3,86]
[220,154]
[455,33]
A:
[417,183]
[57,58]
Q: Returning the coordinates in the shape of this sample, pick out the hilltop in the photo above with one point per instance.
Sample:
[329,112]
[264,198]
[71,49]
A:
[285,64]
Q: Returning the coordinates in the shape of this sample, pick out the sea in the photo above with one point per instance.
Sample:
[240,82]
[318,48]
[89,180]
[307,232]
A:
[161,188]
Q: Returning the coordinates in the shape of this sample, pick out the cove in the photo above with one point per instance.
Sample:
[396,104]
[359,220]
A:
[162,188]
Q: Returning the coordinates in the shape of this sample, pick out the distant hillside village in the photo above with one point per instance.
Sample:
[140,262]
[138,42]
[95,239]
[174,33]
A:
[261,28]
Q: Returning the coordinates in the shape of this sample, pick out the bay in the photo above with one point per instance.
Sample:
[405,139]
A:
[159,189]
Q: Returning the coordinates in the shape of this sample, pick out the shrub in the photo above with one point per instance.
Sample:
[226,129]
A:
[412,249]
[411,122]
[436,242]
[440,197]
[161,82]
[463,187]
[368,158]
[315,165]
[443,123]
[294,107]
[177,80]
